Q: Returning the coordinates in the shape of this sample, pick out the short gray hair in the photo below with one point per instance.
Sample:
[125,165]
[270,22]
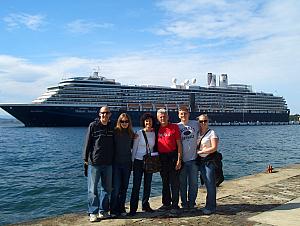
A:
[162,111]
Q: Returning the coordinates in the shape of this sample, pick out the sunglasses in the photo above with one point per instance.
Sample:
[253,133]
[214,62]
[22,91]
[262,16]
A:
[203,121]
[124,121]
[105,113]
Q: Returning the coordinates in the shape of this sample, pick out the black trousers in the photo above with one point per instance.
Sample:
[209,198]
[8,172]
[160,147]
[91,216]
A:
[138,173]
[170,179]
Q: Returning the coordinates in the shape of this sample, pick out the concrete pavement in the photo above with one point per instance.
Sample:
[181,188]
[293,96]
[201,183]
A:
[260,199]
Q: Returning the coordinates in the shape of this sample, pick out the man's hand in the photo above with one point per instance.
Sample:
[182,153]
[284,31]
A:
[178,165]
[85,166]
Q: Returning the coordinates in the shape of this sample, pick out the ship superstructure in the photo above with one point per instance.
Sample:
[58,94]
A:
[75,102]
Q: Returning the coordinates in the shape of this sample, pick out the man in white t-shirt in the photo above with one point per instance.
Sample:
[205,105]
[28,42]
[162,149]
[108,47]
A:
[189,130]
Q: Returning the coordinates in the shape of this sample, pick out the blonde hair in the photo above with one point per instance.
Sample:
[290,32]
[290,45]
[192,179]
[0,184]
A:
[119,129]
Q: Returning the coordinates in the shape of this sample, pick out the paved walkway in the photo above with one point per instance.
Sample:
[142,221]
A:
[263,199]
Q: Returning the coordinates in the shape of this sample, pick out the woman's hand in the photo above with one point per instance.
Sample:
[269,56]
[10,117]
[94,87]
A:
[202,151]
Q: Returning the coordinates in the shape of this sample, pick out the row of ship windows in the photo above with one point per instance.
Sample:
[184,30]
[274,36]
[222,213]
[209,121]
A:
[244,111]
[99,103]
[240,103]
[167,96]
[142,93]
[159,91]
[113,99]
[125,91]
[241,98]
[242,106]
[163,100]
[60,97]
[246,107]
[208,98]
[116,96]
[118,102]
[275,107]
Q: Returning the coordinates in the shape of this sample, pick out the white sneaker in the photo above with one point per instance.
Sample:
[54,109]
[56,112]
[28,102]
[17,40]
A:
[93,217]
[104,215]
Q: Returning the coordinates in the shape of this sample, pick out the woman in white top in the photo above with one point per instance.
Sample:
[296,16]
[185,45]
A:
[209,145]
[138,152]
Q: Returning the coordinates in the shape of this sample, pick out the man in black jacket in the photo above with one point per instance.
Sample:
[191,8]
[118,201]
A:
[98,155]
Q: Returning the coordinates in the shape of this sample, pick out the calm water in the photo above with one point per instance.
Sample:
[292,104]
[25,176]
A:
[41,168]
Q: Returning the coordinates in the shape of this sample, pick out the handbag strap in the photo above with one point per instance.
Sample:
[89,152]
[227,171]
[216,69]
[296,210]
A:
[147,144]
[198,145]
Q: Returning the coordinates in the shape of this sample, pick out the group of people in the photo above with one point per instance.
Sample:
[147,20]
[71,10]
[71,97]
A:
[112,152]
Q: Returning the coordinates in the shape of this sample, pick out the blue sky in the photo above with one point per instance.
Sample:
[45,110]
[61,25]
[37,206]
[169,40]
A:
[149,42]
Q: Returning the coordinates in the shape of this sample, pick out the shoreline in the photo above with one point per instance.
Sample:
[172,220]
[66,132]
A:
[249,200]
[12,120]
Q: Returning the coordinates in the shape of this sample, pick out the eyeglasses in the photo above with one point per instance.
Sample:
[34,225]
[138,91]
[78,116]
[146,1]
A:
[124,121]
[203,121]
[105,113]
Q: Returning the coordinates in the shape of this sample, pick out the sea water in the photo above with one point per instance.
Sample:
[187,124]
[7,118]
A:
[42,169]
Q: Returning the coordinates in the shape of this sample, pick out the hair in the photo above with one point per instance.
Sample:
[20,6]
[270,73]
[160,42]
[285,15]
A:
[119,129]
[145,116]
[203,115]
[183,108]
[104,106]
[162,111]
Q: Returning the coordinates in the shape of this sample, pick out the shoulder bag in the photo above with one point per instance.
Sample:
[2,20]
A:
[152,163]
[216,159]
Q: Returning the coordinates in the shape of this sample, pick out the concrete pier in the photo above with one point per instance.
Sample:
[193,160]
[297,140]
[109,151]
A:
[262,199]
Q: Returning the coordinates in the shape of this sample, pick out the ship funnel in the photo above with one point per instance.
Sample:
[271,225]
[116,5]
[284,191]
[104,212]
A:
[211,79]
[95,74]
[223,80]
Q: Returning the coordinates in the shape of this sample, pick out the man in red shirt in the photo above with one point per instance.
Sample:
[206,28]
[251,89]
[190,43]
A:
[170,151]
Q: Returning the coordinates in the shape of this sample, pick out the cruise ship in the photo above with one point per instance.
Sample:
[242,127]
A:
[76,101]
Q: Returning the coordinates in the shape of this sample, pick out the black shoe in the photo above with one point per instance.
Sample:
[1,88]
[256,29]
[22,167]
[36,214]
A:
[164,208]
[148,209]
[131,214]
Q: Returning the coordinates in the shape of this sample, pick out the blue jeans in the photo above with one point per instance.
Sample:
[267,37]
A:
[189,178]
[96,173]
[138,173]
[207,171]
[121,175]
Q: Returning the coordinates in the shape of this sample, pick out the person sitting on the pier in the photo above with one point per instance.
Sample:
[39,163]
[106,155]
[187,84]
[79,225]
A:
[98,155]
[207,144]
[170,151]
[189,130]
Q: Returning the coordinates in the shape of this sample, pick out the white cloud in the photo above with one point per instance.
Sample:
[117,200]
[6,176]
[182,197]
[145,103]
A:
[32,22]
[248,20]
[23,81]
[84,26]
